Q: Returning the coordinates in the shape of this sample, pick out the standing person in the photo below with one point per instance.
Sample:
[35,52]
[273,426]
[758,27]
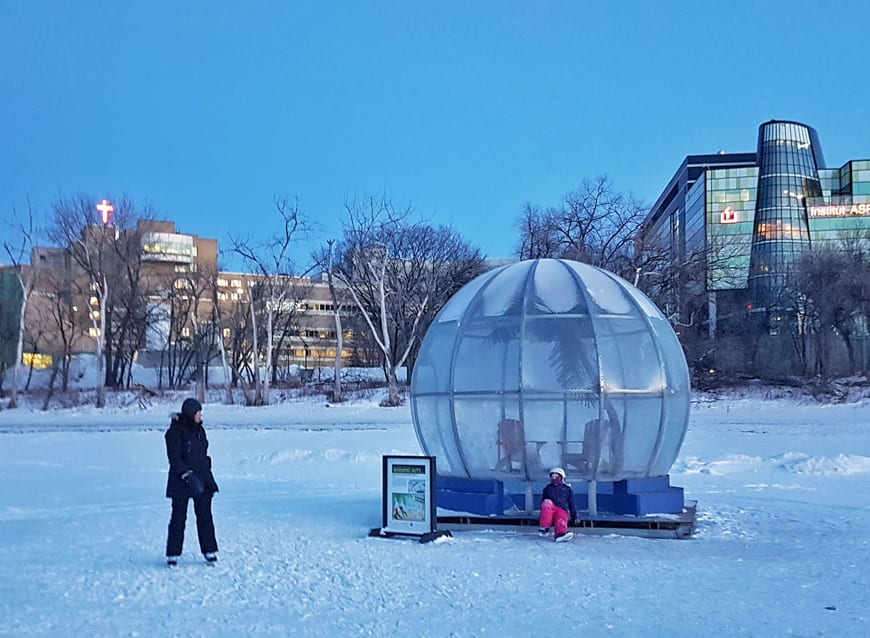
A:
[189,477]
[557,505]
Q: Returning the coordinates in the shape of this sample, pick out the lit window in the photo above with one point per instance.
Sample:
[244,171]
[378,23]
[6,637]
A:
[185,332]
[236,283]
[222,296]
[94,332]
[37,360]
[226,333]
[94,302]
[222,282]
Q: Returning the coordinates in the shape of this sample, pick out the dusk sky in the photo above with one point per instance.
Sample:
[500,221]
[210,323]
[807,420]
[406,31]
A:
[465,110]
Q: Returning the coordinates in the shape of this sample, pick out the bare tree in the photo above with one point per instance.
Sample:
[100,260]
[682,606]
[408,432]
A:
[63,316]
[833,288]
[183,347]
[272,263]
[594,224]
[26,276]
[235,324]
[440,261]
[399,273]
[286,319]
[538,232]
[106,263]
[220,330]
[339,331]
[375,259]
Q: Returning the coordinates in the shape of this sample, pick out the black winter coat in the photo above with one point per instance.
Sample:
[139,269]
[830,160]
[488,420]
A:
[187,449]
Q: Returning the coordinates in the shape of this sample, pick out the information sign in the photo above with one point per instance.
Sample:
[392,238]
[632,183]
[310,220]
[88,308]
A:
[409,495]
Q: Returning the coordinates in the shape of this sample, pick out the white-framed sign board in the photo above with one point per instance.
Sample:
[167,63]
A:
[409,495]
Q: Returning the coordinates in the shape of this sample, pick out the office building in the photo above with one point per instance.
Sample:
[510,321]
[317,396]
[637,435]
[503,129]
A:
[748,217]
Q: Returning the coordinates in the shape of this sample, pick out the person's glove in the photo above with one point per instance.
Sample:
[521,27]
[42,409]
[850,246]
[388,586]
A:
[197,487]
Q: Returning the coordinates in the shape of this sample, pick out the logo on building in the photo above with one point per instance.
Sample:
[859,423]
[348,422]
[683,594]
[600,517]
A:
[728,216]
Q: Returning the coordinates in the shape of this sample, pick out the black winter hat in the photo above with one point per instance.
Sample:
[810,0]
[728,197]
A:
[190,407]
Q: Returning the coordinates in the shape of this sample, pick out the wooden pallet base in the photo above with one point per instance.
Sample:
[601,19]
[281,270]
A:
[652,526]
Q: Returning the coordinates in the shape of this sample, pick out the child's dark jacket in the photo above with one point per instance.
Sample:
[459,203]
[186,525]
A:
[562,496]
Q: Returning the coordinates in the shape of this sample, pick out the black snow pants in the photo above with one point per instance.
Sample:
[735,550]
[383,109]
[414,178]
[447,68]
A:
[204,525]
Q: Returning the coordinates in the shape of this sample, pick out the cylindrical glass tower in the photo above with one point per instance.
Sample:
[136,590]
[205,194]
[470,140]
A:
[789,156]
[548,363]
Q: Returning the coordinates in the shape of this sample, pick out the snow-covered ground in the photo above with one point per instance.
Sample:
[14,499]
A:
[782,548]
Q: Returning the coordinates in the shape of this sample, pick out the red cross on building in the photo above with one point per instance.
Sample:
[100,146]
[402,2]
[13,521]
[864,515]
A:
[106,210]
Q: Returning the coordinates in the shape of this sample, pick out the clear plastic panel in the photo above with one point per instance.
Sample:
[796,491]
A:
[644,302]
[559,354]
[486,360]
[677,412]
[434,425]
[676,370]
[580,428]
[555,291]
[477,422]
[458,304]
[641,429]
[629,357]
[432,369]
[504,296]
[608,296]
[544,428]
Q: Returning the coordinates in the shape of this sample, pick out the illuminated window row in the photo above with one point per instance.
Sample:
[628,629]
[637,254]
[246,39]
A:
[170,249]
[37,360]
[296,332]
[780,230]
[319,353]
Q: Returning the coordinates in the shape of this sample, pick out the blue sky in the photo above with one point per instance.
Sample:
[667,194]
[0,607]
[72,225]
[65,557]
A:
[465,110]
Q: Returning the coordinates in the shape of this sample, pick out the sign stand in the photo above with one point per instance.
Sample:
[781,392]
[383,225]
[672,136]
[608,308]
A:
[408,499]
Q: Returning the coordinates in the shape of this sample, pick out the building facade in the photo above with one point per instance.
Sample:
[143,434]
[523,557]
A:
[184,304]
[750,217]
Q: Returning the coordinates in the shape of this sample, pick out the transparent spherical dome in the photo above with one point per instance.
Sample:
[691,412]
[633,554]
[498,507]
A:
[547,363]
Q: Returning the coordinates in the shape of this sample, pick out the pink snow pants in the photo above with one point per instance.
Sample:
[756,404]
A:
[551,514]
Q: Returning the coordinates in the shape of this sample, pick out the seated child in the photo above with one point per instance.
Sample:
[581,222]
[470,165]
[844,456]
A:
[557,505]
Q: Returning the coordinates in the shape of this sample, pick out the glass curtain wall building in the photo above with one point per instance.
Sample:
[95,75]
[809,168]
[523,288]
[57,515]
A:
[750,216]
[789,158]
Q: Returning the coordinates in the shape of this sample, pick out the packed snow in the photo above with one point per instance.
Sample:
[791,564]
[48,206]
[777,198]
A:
[782,546]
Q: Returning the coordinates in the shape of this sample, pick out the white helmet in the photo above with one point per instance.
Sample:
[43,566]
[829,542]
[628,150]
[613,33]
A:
[559,471]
